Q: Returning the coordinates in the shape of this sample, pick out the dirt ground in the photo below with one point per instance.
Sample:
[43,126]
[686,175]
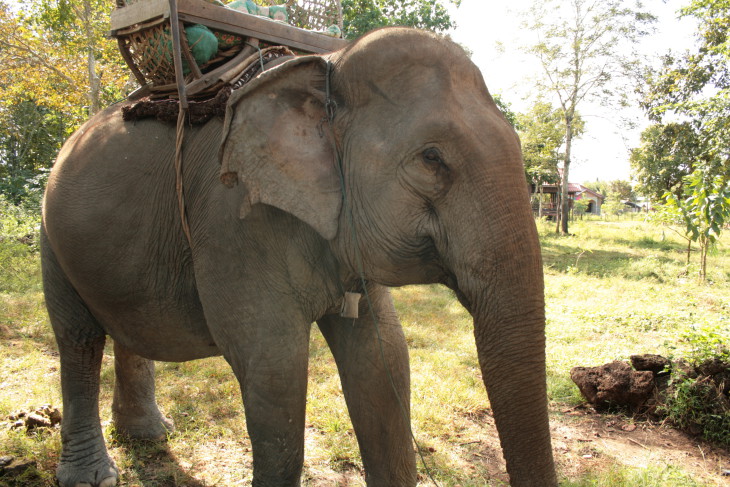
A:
[584,440]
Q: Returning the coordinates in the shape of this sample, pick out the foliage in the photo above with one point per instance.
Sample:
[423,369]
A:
[621,188]
[19,244]
[695,86]
[707,342]
[613,205]
[704,209]
[58,67]
[362,16]
[542,134]
[580,54]
[30,137]
[668,153]
[580,207]
[57,53]
[506,109]
[698,405]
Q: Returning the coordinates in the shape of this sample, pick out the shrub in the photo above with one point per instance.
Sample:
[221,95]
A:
[698,398]
[19,245]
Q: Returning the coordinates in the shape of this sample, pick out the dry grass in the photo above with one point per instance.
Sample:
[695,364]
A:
[614,289]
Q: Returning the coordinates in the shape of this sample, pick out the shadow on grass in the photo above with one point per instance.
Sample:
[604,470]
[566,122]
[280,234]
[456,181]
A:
[152,464]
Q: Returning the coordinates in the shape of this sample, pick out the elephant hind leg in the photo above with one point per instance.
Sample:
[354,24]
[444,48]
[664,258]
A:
[134,409]
[84,459]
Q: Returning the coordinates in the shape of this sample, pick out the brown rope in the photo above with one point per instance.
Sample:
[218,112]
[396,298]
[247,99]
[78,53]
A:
[175,28]
[179,172]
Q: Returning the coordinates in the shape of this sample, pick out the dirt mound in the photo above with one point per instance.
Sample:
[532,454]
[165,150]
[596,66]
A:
[693,398]
[614,384]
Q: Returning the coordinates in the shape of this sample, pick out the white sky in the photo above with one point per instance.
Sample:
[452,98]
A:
[602,152]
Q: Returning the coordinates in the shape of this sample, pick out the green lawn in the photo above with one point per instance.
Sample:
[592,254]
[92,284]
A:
[614,289]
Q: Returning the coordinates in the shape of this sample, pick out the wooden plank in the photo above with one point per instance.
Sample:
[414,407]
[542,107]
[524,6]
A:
[299,42]
[175,28]
[213,77]
[229,20]
[141,11]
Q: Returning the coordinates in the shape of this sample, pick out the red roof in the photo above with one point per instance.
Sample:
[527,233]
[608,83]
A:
[580,189]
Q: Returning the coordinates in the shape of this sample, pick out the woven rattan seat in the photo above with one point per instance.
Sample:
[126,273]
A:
[143,31]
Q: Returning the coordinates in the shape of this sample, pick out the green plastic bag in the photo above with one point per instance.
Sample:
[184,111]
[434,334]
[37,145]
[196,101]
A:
[203,45]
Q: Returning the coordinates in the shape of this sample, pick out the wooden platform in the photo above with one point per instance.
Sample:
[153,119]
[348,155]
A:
[126,20]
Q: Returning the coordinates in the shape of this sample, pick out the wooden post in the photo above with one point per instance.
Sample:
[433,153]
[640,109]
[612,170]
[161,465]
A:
[177,55]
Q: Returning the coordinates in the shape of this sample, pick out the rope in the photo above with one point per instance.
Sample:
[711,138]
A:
[182,112]
[330,109]
[261,57]
[180,137]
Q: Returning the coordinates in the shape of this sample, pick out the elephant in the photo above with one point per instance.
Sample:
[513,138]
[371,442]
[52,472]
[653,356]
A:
[332,176]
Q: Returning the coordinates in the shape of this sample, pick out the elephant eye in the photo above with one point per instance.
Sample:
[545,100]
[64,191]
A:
[431,157]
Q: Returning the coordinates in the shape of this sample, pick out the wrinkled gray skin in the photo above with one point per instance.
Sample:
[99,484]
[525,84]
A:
[435,186]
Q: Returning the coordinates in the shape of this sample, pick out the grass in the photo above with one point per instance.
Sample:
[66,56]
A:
[612,289]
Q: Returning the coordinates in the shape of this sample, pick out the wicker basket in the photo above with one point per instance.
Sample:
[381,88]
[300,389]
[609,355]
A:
[147,46]
[150,52]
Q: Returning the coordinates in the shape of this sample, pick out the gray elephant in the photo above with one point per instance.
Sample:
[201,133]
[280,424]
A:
[415,177]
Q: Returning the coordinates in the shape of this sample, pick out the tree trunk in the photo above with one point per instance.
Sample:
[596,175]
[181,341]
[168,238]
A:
[564,200]
[94,81]
[704,244]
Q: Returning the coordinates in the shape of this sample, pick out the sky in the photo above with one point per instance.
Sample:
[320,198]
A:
[491,30]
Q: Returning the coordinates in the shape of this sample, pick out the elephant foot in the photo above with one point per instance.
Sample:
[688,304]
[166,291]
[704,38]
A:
[150,427]
[87,473]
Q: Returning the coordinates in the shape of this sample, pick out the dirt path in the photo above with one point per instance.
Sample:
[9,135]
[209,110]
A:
[585,440]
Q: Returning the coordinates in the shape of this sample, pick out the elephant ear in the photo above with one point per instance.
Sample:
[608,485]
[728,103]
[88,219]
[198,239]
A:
[273,144]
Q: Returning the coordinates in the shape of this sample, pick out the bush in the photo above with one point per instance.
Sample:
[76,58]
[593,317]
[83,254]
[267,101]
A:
[700,406]
[19,246]
[698,398]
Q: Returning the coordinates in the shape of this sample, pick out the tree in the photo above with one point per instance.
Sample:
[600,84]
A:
[613,204]
[696,87]
[668,153]
[57,53]
[705,208]
[579,49]
[622,189]
[362,16]
[542,135]
[57,68]
[30,137]
[506,110]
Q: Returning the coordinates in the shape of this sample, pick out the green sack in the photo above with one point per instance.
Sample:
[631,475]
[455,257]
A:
[203,45]
[202,42]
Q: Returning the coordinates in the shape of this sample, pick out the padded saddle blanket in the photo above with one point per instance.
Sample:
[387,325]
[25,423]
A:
[200,111]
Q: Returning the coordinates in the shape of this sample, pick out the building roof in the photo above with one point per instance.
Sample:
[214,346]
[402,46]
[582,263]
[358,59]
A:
[580,189]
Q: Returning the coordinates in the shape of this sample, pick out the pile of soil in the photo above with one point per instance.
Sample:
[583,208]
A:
[650,385]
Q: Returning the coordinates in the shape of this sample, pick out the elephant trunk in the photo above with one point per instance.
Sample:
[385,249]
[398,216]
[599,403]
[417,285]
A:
[504,292]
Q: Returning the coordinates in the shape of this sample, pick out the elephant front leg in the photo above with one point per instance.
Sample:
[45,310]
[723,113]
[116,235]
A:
[134,408]
[271,366]
[375,377]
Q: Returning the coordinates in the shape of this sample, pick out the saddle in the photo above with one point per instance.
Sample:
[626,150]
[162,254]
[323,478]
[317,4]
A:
[165,107]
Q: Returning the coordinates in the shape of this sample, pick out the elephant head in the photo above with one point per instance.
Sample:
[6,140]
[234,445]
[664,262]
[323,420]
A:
[393,151]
